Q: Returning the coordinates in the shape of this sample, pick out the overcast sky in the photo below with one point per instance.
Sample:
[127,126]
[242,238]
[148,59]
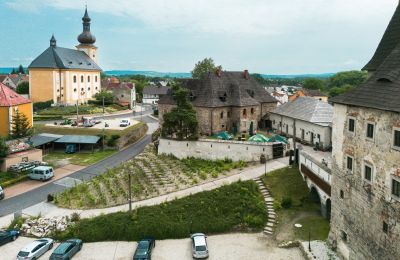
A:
[264,36]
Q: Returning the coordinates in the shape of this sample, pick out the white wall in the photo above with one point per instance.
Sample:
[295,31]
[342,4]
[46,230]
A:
[216,149]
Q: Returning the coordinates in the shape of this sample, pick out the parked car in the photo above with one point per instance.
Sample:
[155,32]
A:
[199,245]
[1,193]
[35,249]
[70,148]
[124,122]
[67,249]
[144,249]
[41,173]
[8,236]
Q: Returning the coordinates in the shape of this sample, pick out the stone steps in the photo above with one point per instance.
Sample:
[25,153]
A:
[269,227]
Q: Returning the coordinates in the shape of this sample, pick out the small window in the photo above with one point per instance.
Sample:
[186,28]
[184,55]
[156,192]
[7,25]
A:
[95,88]
[370,131]
[385,227]
[88,78]
[74,89]
[396,137]
[344,236]
[82,89]
[95,78]
[221,115]
[351,125]
[88,89]
[396,188]
[229,114]
[341,194]
[252,110]
[82,79]
[368,173]
[122,95]
[74,79]
[244,112]
[349,163]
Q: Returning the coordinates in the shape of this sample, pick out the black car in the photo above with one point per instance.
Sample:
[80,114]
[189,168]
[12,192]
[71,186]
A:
[8,236]
[144,249]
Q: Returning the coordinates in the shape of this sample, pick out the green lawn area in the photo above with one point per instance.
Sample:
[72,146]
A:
[80,158]
[287,183]
[235,207]
[83,110]
[9,178]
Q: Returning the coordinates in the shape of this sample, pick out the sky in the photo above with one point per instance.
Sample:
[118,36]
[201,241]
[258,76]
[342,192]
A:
[263,36]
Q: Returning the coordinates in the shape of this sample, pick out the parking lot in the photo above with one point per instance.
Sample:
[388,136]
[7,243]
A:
[113,124]
[221,247]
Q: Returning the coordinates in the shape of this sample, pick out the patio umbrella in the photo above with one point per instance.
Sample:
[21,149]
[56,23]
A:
[281,139]
[224,136]
[259,138]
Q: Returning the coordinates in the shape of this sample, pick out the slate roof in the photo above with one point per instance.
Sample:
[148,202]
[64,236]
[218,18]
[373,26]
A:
[78,139]
[44,138]
[382,89]
[307,109]
[156,90]
[123,85]
[224,89]
[9,98]
[313,93]
[62,58]
[390,40]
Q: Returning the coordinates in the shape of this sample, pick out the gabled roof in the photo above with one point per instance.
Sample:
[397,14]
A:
[313,93]
[222,89]
[390,40]
[9,98]
[62,58]
[307,109]
[78,139]
[156,90]
[123,85]
[2,78]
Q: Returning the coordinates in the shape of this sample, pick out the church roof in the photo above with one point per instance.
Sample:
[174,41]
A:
[222,89]
[9,98]
[382,89]
[390,40]
[62,58]
[307,109]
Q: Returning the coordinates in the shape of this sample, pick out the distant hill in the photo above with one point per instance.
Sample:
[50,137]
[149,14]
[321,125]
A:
[188,75]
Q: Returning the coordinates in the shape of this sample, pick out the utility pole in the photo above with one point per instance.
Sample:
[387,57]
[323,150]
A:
[77,111]
[294,138]
[130,192]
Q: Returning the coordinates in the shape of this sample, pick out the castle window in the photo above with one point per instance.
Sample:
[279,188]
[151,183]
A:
[252,110]
[351,127]
[370,131]
[367,173]
[396,188]
[82,79]
[229,114]
[88,78]
[344,236]
[222,115]
[95,88]
[396,138]
[244,112]
[385,227]
[341,194]
[82,89]
[75,79]
[349,163]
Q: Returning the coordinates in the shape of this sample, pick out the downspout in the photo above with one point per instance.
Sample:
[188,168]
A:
[211,114]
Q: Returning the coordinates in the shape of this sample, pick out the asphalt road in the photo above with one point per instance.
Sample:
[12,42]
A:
[38,195]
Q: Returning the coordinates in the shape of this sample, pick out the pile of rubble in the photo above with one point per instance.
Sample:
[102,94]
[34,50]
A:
[42,227]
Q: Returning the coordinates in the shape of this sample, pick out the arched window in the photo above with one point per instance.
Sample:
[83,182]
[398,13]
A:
[82,79]
[252,110]
[222,115]
[95,78]
[244,112]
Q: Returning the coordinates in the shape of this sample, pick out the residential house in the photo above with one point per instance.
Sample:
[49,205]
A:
[365,222]
[66,76]
[306,118]
[282,97]
[225,101]
[314,93]
[13,80]
[125,93]
[10,103]
[152,93]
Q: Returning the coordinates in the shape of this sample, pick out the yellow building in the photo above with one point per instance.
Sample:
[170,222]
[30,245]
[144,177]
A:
[10,103]
[66,76]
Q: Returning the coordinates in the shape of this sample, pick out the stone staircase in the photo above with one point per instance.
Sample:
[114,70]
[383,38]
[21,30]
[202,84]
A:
[269,228]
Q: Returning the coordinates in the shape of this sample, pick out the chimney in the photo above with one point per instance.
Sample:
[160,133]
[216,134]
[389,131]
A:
[218,72]
[246,74]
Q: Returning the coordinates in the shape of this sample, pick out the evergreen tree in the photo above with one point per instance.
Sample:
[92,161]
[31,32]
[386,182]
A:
[181,121]
[20,125]
[21,69]
[13,71]
[3,148]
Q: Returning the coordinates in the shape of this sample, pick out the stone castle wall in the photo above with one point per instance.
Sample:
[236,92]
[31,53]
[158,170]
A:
[365,207]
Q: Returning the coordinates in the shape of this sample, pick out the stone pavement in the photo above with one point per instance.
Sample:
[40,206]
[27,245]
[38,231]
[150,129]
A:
[319,251]
[50,210]
[25,186]
[269,201]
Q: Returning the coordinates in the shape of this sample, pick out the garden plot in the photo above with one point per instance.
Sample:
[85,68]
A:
[151,175]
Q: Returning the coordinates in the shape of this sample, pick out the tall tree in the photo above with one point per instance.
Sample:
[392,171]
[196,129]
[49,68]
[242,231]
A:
[202,68]
[108,97]
[20,125]
[13,71]
[181,121]
[3,148]
[23,87]
[313,83]
[21,69]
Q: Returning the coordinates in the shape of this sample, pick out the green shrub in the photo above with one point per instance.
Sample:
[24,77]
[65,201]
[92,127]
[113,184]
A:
[42,105]
[286,202]
[277,205]
[17,223]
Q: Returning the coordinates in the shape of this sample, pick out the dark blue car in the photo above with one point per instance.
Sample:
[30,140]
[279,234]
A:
[66,250]
[144,249]
[8,236]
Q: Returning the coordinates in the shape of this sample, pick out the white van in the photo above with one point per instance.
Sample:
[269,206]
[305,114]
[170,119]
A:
[41,173]
[124,122]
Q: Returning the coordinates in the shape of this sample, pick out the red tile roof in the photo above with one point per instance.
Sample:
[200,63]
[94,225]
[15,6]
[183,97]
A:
[10,98]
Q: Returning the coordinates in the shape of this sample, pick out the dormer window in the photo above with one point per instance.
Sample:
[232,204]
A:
[222,96]
[384,80]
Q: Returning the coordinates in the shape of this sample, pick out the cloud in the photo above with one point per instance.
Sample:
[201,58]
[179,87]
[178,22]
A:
[241,17]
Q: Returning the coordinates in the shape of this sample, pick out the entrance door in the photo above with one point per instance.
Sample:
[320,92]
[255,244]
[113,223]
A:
[312,138]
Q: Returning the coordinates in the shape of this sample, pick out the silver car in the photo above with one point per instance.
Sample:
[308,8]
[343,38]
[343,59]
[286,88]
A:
[199,245]
[35,249]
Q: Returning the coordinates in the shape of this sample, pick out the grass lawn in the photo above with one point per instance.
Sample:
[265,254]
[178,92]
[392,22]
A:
[288,183]
[235,207]
[83,110]
[42,128]
[79,158]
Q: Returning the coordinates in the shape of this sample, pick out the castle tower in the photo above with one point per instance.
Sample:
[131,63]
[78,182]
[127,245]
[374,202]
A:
[87,39]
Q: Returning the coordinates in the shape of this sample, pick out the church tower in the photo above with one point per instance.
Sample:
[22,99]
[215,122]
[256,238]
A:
[87,39]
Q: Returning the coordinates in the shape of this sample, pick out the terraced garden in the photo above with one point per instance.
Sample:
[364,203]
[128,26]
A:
[152,175]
